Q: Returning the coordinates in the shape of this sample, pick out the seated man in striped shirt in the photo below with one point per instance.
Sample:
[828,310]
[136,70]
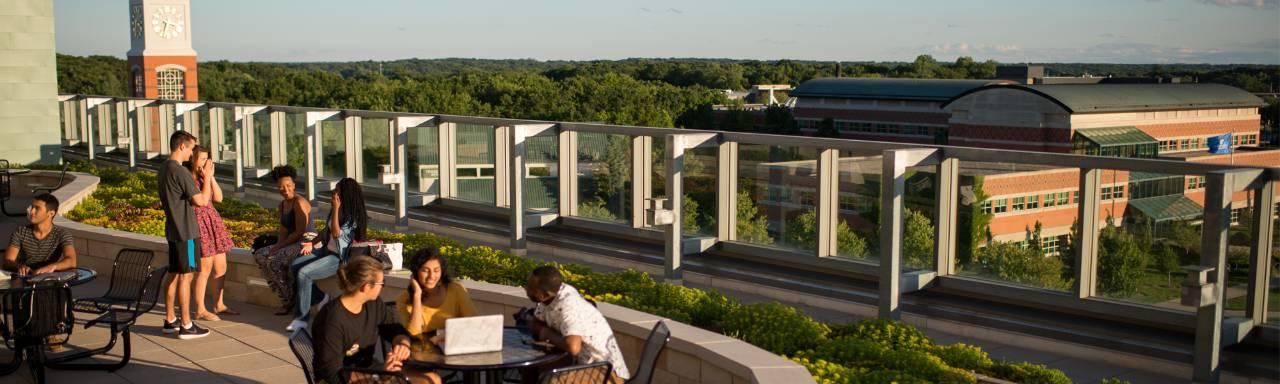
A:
[40,247]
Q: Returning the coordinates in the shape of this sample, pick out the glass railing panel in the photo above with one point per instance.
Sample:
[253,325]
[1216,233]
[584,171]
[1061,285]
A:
[1273,283]
[333,149]
[777,196]
[858,205]
[542,173]
[1240,243]
[262,140]
[604,177]
[422,158]
[1015,223]
[700,184]
[475,162]
[199,119]
[1150,227]
[375,150]
[295,144]
[919,218]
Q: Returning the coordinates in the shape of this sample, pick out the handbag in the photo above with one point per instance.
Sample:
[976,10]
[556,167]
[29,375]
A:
[389,254]
[264,240]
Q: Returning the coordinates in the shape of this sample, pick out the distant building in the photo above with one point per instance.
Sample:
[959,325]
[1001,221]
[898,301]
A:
[1036,74]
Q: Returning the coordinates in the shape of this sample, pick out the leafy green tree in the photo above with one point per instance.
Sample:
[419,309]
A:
[802,232]
[974,223]
[595,209]
[1010,262]
[689,215]
[752,225]
[917,239]
[1122,260]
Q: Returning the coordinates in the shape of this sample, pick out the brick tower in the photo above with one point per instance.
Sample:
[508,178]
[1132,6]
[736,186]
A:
[162,64]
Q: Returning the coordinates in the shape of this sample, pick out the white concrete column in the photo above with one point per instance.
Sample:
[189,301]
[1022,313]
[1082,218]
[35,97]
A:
[892,188]
[515,161]
[448,160]
[948,199]
[727,192]
[641,178]
[1213,254]
[828,204]
[673,271]
[503,174]
[1260,254]
[568,173]
[1086,246]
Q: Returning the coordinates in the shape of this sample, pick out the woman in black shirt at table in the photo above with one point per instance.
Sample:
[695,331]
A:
[347,330]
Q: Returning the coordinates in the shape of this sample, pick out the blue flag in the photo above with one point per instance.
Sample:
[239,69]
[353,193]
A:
[1220,145]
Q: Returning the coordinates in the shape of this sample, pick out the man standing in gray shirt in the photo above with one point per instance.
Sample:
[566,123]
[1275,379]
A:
[178,196]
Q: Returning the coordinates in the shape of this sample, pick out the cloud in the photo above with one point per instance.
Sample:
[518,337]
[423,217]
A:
[675,11]
[646,10]
[1255,4]
[768,41]
[953,25]
[1110,35]
[972,49]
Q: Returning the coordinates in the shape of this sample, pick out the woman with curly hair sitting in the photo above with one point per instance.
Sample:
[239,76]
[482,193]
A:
[295,221]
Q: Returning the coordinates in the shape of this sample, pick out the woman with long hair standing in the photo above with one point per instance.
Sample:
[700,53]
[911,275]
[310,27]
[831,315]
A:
[215,242]
[347,223]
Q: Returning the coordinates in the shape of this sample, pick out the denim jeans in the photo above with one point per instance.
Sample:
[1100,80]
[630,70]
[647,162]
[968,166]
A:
[308,269]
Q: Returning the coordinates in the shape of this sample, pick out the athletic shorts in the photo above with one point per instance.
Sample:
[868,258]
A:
[183,256]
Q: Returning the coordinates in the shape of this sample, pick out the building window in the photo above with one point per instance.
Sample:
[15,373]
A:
[1195,182]
[170,84]
[1050,245]
[806,199]
[1235,215]
[1075,197]
[138,90]
[1116,192]
[1033,202]
[986,206]
[1019,203]
[1000,206]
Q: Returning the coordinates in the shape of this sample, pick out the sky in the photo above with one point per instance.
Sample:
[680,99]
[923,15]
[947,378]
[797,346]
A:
[1098,31]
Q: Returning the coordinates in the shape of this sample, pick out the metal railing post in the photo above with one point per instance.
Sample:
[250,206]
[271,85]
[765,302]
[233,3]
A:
[503,174]
[893,186]
[1264,208]
[516,139]
[568,172]
[1086,246]
[448,160]
[948,198]
[727,192]
[673,271]
[641,178]
[828,204]
[1213,254]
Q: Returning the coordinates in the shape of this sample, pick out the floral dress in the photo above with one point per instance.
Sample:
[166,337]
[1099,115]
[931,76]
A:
[214,238]
[275,266]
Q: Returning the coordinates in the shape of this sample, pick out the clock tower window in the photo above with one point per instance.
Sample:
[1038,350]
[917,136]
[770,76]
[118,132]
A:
[170,84]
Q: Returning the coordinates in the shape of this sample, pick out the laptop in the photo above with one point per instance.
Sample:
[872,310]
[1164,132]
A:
[474,334]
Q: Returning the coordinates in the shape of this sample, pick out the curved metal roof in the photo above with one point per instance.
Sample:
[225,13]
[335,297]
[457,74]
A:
[887,89]
[1102,98]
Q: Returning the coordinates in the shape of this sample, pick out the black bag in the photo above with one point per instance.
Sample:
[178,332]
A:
[263,241]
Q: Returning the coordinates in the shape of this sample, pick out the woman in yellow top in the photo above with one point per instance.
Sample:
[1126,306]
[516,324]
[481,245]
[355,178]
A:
[432,297]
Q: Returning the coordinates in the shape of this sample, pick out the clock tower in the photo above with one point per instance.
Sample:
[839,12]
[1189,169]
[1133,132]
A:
[162,64]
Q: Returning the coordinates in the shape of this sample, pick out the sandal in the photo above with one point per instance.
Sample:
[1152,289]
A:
[207,316]
[226,311]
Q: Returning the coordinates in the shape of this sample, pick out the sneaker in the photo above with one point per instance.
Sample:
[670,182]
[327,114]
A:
[296,324]
[170,326]
[192,332]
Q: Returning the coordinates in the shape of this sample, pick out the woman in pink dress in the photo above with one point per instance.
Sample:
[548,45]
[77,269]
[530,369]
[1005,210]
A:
[215,242]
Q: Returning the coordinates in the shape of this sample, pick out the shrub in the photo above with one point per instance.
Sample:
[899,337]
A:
[964,356]
[1029,373]
[1007,261]
[852,351]
[889,334]
[825,372]
[774,327]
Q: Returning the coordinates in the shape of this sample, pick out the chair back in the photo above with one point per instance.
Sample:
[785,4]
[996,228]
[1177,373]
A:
[29,315]
[300,344]
[129,274]
[354,375]
[4,164]
[4,187]
[594,373]
[151,290]
[653,347]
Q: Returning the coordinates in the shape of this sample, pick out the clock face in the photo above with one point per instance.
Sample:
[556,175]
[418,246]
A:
[167,21]
[135,21]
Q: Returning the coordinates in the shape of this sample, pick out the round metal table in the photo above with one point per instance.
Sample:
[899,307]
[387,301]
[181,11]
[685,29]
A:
[518,352]
[83,275]
[14,282]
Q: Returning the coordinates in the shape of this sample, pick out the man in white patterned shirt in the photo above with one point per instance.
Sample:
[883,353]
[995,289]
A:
[567,320]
